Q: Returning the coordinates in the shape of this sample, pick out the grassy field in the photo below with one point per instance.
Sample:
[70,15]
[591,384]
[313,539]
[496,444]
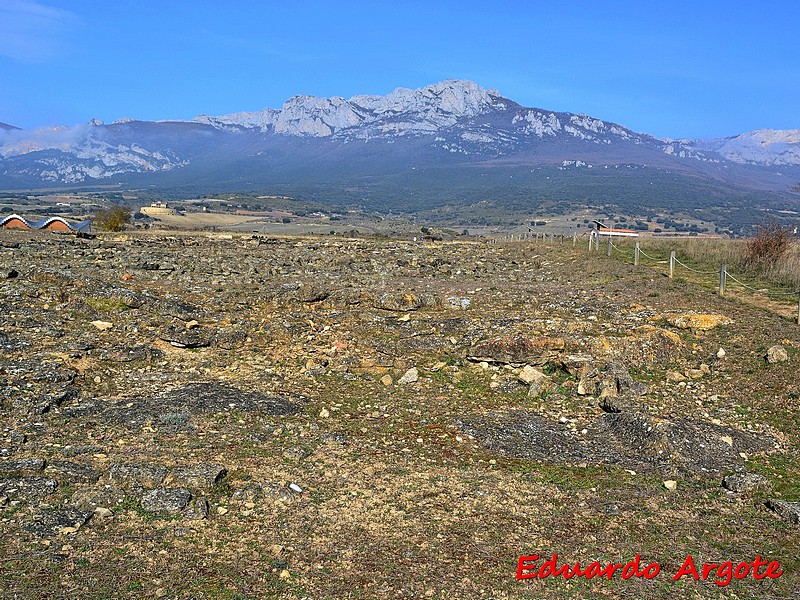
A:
[700,261]
[429,486]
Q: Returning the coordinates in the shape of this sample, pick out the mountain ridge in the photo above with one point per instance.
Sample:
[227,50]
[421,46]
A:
[369,148]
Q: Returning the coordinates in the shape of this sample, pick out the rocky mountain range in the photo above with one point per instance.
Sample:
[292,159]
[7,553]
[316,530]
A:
[412,142]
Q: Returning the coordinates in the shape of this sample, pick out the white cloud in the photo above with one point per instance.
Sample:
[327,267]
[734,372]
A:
[17,141]
[32,32]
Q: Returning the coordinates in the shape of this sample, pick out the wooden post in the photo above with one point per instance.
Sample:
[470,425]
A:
[574,239]
[723,272]
[671,263]
[798,309]
[609,245]
[590,241]
[636,254]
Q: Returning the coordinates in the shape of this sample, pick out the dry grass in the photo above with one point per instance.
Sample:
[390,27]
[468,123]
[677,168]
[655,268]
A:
[779,271]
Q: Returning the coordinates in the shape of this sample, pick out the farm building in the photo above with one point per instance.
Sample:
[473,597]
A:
[158,208]
[600,229]
[48,224]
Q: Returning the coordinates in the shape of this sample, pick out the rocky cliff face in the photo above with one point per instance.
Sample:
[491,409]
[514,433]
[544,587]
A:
[401,112]
[760,147]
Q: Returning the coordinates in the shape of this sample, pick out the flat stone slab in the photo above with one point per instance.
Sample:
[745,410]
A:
[746,482]
[521,434]
[50,523]
[20,467]
[199,477]
[195,399]
[71,472]
[629,439]
[90,498]
[789,511]
[258,491]
[134,475]
[28,488]
[180,337]
[168,500]
[518,349]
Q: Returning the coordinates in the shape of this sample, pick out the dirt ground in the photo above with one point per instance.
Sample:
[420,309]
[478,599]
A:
[242,416]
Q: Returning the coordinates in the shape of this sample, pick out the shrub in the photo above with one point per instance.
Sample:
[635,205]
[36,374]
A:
[112,219]
[770,244]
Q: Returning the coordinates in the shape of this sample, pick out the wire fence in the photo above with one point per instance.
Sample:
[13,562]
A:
[673,262]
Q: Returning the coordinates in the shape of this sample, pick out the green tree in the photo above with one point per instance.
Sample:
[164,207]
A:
[112,219]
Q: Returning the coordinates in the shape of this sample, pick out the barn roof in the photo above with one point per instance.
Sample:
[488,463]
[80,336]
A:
[46,222]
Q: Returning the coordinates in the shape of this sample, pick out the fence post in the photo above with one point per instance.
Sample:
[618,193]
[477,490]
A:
[636,254]
[590,242]
[574,239]
[562,239]
[798,309]
[609,245]
[671,263]
[723,272]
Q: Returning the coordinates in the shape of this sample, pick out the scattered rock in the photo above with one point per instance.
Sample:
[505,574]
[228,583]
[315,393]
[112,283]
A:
[699,322]
[578,364]
[51,522]
[71,472]
[519,350]
[105,496]
[181,337]
[12,440]
[529,374]
[790,511]
[776,354]
[461,303]
[386,380]
[404,302]
[311,293]
[201,476]
[198,510]
[20,467]
[505,383]
[28,488]
[166,500]
[410,376]
[136,475]
[616,381]
[671,485]
[102,325]
[256,491]
[746,482]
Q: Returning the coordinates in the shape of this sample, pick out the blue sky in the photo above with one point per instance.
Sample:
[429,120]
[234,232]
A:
[674,69]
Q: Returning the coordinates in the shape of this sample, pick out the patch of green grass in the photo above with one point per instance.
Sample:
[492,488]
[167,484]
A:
[107,305]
